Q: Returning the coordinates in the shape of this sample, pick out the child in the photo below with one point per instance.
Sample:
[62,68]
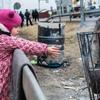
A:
[9,22]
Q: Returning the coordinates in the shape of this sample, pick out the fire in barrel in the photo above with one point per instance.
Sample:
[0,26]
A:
[53,35]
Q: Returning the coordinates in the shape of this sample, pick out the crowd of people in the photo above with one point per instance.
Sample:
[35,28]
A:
[29,17]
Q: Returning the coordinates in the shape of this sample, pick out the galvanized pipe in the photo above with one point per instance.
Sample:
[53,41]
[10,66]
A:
[31,87]
[76,13]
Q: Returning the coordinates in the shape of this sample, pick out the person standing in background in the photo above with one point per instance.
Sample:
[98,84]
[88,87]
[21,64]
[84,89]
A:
[22,17]
[33,14]
[28,19]
[36,15]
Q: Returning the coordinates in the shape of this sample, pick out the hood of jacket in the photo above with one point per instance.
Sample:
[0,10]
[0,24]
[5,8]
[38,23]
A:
[3,28]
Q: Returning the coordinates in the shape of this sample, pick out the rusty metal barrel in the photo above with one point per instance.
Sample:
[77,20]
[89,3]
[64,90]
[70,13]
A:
[53,35]
[89,43]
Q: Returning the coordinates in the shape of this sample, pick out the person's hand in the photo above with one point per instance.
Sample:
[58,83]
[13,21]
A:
[53,51]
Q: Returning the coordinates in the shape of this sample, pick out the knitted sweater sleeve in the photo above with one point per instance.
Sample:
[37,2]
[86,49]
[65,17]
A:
[29,47]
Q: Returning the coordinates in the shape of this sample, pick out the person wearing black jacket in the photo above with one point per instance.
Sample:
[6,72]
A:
[27,15]
[33,14]
[22,17]
[36,15]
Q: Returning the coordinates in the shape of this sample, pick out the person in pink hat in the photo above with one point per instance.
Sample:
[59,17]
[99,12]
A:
[9,22]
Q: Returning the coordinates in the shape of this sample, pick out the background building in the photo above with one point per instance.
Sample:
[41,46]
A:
[28,4]
[63,6]
[87,3]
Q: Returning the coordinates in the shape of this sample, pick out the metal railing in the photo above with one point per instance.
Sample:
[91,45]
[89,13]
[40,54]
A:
[23,74]
[86,12]
[31,87]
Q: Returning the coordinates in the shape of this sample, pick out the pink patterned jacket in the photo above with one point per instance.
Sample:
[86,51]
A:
[7,46]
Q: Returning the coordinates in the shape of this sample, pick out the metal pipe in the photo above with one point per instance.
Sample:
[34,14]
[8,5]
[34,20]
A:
[39,5]
[82,12]
[76,13]
[31,87]
[2,3]
[60,18]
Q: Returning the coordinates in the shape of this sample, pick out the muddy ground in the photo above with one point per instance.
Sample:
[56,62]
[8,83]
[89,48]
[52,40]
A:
[65,83]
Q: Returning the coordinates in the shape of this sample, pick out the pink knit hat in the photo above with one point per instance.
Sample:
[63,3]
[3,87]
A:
[9,18]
